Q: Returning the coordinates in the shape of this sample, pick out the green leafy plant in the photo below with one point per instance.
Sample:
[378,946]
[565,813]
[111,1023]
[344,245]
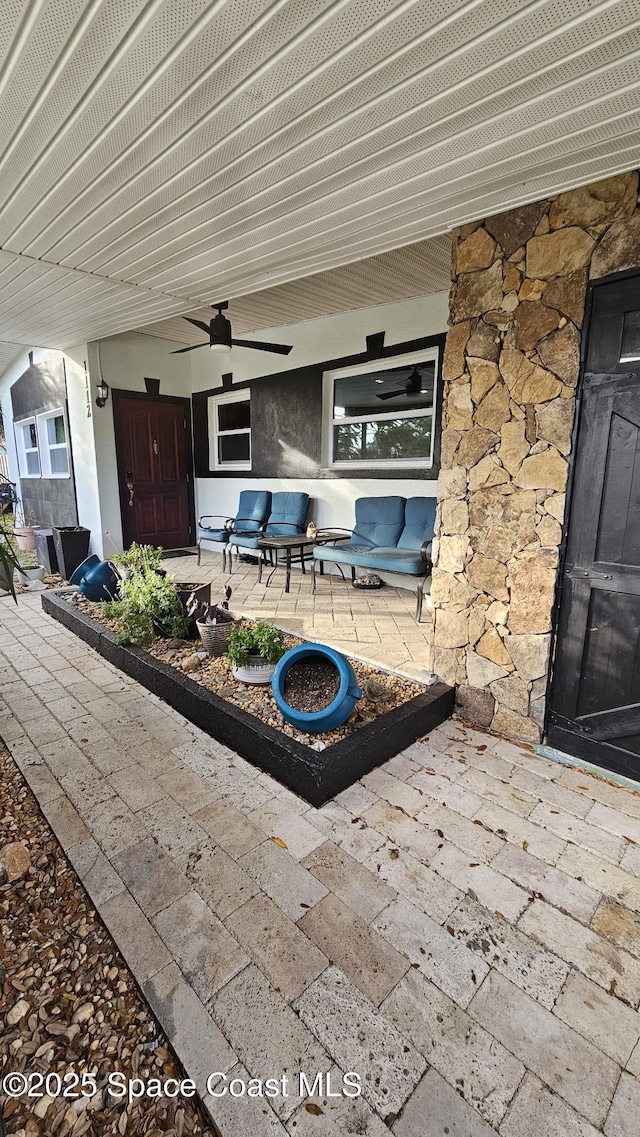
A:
[148,602]
[256,639]
[139,558]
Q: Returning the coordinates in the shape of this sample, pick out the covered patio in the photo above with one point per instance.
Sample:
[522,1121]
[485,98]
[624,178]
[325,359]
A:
[376,626]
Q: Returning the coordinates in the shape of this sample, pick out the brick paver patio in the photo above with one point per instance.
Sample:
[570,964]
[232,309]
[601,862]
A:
[377,626]
[461,928]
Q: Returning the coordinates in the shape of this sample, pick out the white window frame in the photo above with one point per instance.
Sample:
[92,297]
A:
[427,355]
[46,447]
[18,430]
[214,402]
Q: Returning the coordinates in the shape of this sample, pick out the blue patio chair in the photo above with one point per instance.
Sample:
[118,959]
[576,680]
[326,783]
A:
[286,519]
[254,507]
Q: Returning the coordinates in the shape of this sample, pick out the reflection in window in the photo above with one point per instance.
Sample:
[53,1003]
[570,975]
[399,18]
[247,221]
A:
[28,456]
[630,346]
[230,431]
[385,415]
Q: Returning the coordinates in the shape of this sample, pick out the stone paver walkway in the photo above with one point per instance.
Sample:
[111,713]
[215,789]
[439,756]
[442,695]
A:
[461,928]
[376,626]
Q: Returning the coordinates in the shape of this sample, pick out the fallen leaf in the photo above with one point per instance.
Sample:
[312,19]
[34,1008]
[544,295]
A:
[394,854]
[279,842]
[525,845]
[314,1109]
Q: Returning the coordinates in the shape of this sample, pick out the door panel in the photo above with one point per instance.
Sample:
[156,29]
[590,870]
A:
[154,461]
[595,694]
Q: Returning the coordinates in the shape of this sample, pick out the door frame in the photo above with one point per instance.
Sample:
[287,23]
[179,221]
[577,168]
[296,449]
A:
[583,748]
[118,395]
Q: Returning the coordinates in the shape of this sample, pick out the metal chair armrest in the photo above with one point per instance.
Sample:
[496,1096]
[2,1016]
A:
[426,555]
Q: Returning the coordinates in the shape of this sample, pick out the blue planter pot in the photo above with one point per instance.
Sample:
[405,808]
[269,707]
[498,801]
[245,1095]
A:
[83,569]
[100,582]
[337,711]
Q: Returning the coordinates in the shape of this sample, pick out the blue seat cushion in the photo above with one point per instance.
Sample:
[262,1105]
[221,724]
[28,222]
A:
[245,540]
[288,514]
[393,559]
[346,553]
[253,509]
[419,522]
[379,520]
[390,559]
[205,534]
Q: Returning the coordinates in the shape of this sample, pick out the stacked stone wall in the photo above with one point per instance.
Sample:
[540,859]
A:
[511,367]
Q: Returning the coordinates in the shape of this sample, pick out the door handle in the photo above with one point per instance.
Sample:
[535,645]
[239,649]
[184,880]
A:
[131,489]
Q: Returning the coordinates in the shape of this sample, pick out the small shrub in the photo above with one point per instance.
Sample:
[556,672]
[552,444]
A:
[148,600]
[256,639]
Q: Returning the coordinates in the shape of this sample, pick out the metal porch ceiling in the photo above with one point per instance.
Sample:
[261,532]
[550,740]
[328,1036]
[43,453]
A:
[158,155]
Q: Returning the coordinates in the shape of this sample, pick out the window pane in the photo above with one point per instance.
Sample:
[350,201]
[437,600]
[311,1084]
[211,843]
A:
[55,430]
[59,461]
[403,388]
[33,464]
[630,348]
[30,436]
[233,448]
[234,416]
[377,441]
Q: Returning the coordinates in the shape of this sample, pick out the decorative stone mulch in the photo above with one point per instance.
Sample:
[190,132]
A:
[68,999]
[381,691]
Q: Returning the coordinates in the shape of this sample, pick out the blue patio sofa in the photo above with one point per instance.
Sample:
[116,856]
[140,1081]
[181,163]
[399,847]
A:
[392,534]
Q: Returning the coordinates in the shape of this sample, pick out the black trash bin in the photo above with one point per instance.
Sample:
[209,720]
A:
[46,550]
[72,547]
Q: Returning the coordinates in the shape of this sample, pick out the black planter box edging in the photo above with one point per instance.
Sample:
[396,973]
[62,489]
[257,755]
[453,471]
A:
[314,775]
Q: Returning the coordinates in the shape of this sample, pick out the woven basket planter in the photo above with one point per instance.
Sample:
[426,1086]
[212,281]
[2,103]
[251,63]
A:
[215,637]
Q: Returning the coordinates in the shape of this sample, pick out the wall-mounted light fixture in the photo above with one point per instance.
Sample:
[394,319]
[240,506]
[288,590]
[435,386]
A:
[102,393]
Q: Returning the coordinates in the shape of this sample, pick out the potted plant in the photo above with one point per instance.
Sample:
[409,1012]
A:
[253,651]
[25,534]
[213,622]
[312,529]
[25,574]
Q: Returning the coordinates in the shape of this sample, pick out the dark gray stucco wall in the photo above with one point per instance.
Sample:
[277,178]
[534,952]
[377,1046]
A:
[43,387]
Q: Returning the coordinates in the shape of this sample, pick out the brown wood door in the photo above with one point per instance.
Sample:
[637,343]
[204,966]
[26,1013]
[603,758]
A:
[595,695]
[154,468]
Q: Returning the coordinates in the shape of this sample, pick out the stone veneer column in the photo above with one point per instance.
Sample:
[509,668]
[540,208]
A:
[510,372]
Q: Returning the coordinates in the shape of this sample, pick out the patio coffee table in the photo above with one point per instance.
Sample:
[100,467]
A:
[297,541]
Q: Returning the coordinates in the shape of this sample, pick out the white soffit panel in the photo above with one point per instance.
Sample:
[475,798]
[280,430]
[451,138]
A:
[159,155]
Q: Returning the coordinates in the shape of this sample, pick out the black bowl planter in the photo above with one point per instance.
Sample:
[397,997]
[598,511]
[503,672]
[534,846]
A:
[314,775]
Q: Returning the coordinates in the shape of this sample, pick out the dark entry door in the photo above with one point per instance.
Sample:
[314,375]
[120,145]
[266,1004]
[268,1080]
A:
[154,464]
[595,696]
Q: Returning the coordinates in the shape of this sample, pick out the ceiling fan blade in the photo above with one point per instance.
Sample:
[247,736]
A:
[198,324]
[192,348]
[392,394]
[278,348]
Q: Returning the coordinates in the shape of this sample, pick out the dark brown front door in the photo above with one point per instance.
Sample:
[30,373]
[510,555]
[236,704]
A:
[595,696]
[154,468]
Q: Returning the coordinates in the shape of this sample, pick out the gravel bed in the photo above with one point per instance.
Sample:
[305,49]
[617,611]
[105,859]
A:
[68,1000]
[381,690]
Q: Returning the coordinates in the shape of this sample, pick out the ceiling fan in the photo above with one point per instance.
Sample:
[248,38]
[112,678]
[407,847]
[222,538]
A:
[416,385]
[219,332]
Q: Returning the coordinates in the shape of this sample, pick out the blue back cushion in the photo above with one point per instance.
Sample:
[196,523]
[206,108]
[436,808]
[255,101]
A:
[253,509]
[420,518]
[379,521]
[288,514]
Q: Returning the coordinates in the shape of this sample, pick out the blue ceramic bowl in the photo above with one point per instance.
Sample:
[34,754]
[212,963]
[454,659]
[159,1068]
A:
[338,710]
